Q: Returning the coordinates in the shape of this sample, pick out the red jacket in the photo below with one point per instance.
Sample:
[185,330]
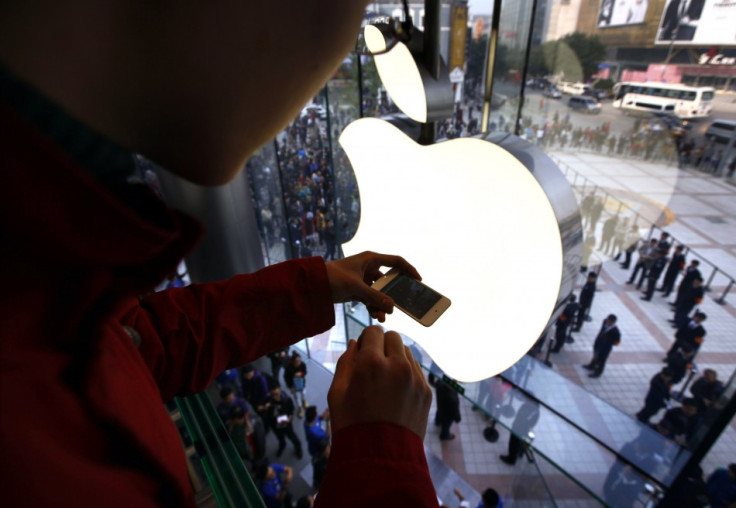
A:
[82,421]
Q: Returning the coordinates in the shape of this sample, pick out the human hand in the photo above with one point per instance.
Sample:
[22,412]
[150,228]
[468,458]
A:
[378,380]
[351,278]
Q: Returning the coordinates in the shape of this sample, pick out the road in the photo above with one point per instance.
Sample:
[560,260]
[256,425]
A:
[724,107]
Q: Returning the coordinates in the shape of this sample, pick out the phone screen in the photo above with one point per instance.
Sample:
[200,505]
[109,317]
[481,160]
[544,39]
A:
[411,295]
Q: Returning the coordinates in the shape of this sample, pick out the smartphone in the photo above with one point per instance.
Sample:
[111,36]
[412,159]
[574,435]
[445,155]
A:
[414,298]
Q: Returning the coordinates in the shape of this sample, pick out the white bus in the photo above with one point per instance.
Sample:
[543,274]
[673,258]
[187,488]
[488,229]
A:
[680,100]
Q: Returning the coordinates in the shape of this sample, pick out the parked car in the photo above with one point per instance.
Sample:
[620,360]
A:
[498,100]
[584,104]
[675,125]
[552,92]
[598,95]
[720,130]
[572,88]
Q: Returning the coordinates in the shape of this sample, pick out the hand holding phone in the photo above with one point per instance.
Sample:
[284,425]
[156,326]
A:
[416,299]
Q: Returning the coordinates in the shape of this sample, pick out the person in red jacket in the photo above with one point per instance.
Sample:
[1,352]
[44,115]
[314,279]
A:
[196,88]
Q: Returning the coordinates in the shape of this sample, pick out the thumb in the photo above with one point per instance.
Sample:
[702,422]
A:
[343,372]
[375,299]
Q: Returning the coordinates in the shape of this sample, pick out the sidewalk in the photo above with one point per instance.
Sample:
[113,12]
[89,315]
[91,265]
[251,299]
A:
[700,212]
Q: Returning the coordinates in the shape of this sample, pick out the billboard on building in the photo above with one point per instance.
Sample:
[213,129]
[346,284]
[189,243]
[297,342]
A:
[622,12]
[700,22]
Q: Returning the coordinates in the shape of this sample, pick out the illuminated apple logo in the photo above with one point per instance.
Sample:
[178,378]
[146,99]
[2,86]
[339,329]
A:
[480,229]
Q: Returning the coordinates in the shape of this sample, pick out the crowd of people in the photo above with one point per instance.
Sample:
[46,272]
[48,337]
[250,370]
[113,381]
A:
[644,140]
[306,200]
[254,405]
[657,267]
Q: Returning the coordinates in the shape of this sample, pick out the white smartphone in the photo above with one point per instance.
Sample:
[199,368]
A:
[416,299]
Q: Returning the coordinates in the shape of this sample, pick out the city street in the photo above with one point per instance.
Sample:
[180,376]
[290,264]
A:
[724,107]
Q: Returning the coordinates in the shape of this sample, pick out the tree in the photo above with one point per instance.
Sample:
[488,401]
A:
[589,50]
[476,60]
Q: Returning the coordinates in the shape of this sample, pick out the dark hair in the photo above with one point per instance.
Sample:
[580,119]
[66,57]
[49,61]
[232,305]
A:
[237,412]
[695,262]
[248,368]
[311,413]
[225,391]
[593,274]
[491,498]
[273,383]
[612,317]
[262,471]
[571,298]
[689,401]
[701,315]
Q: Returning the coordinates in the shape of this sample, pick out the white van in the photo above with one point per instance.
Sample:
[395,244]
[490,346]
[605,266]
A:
[572,88]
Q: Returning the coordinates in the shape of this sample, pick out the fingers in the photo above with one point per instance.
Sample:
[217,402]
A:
[371,341]
[373,298]
[378,315]
[393,347]
[395,262]
[343,369]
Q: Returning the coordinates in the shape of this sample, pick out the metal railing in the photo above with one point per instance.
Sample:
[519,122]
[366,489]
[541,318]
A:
[639,218]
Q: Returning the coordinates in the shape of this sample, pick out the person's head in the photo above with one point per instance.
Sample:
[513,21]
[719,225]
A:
[311,414]
[490,498]
[274,391]
[296,358]
[227,395]
[237,414]
[194,87]
[699,317]
[249,371]
[689,406]
[664,236]
[572,298]
[265,472]
[710,375]
[653,242]
[592,276]
[695,263]
[666,373]
[679,248]
[611,319]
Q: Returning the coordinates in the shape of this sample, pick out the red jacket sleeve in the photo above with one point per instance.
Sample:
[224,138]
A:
[376,464]
[189,335]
